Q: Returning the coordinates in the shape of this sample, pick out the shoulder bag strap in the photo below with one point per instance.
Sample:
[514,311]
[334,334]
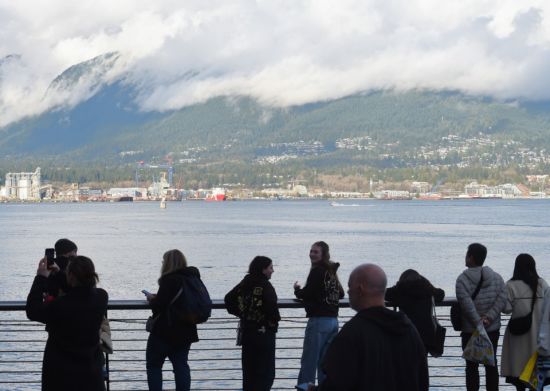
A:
[478,286]
[534,298]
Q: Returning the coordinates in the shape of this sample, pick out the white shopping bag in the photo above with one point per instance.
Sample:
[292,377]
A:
[479,348]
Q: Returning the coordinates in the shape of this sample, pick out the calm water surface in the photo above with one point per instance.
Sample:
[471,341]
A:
[127,240]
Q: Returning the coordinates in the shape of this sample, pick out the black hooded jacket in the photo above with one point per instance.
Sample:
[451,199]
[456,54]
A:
[322,291]
[377,350]
[254,301]
[414,298]
[72,358]
[169,285]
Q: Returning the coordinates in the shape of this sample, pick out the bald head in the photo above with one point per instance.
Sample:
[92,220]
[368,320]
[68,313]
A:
[367,286]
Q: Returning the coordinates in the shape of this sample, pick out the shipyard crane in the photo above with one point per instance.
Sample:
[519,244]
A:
[168,166]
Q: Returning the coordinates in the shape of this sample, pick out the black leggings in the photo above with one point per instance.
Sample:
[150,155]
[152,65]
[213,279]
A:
[258,359]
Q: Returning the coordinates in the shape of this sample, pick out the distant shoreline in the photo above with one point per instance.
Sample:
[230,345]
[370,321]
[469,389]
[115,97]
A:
[327,199]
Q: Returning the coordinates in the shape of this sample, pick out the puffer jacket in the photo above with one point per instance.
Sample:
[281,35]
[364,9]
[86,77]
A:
[490,301]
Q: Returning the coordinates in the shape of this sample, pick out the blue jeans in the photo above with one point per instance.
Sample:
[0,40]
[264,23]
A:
[319,334]
[157,351]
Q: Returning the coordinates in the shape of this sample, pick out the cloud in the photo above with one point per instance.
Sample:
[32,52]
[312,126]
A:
[280,52]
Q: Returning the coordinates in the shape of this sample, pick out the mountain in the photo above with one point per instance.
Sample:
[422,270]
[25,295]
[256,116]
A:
[378,129]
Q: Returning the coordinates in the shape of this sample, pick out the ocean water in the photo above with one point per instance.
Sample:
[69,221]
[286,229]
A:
[126,240]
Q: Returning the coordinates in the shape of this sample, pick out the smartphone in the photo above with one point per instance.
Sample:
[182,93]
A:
[50,256]
[146,293]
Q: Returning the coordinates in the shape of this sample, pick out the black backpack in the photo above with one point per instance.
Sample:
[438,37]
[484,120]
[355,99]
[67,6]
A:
[192,303]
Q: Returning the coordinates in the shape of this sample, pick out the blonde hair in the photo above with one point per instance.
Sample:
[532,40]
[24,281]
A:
[172,260]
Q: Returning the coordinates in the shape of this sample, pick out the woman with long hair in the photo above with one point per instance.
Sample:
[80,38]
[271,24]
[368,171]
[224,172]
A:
[167,339]
[72,357]
[526,291]
[320,295]
[414,295]
[254,301]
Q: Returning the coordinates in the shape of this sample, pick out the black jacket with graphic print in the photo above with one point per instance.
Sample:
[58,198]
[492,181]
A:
[322,291]
[254,301]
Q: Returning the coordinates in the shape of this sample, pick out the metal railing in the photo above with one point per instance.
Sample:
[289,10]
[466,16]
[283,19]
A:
[214,360]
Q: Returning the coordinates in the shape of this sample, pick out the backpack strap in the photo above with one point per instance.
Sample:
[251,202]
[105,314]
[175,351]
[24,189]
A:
[176,297]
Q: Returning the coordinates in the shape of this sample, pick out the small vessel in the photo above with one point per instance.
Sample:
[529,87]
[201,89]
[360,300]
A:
[163,203]
[340,204]
[217,194]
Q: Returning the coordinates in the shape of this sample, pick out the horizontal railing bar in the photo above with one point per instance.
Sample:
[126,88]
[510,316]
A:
[133,328]
[20,382]
[216,304]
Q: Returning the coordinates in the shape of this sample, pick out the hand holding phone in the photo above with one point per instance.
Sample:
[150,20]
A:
[49,253]
[148,295]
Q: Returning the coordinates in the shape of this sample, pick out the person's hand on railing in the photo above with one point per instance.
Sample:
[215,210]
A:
[296,285]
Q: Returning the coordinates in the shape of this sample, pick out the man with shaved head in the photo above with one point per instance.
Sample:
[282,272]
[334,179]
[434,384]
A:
[378,349]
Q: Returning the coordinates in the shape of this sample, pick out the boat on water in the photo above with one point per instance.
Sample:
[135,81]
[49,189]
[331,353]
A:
[217,194]
[124,199]
[340,204]
[163,203]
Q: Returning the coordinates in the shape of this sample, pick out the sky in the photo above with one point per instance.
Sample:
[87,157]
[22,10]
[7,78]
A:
[180,52]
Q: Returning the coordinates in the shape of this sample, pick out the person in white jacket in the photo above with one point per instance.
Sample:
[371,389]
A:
[486,308]
[526,291]
[543,343]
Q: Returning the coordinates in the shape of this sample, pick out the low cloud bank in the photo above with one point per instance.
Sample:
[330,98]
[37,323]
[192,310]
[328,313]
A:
[281,53]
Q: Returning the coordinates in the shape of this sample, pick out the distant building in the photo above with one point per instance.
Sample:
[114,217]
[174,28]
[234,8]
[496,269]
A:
[420,187]
[392,195]
[506,190]
[509,190]
[524,190]
[23,185]
[300,190]
[537,178]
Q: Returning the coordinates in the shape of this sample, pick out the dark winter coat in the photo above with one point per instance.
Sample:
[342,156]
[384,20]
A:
[377,350]
[322,291]
[414,298]
[169,285]
[72,358]
[254,301]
